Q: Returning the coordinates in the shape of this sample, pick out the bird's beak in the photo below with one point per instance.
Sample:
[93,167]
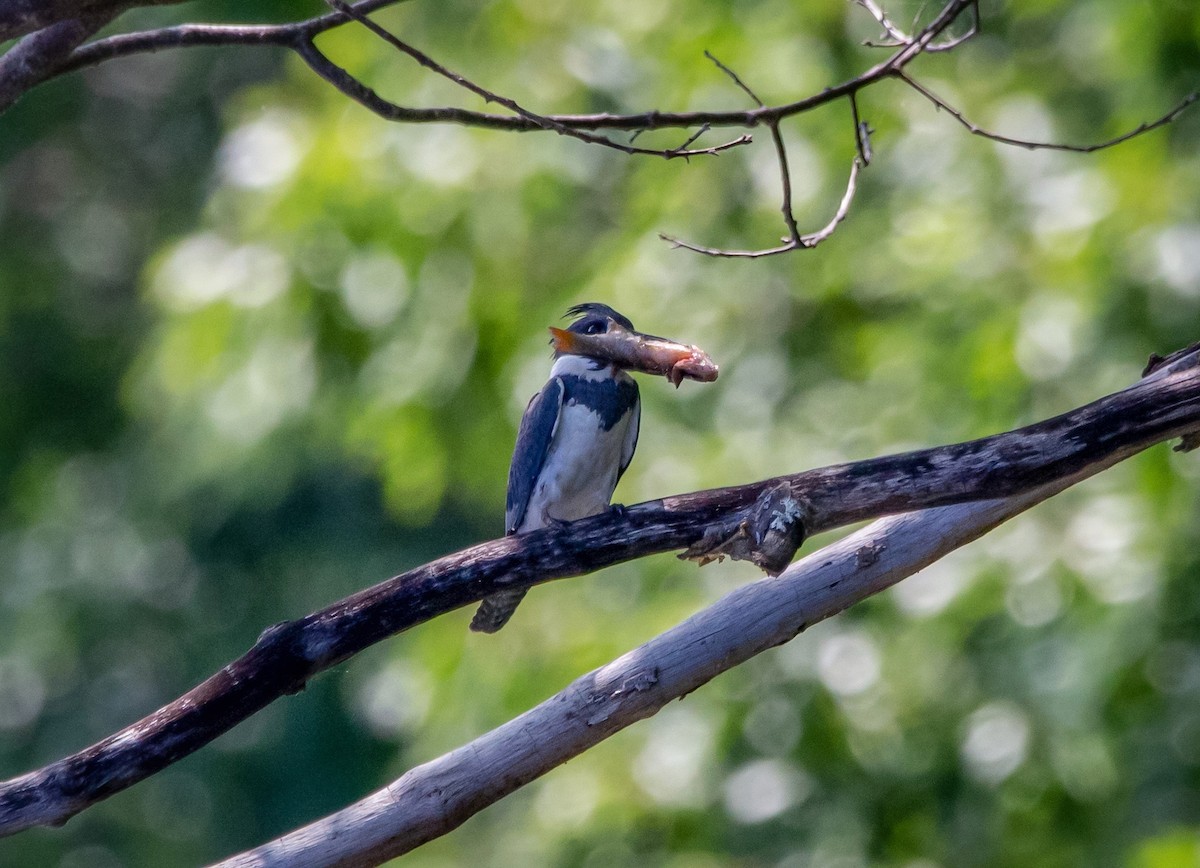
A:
[635,351]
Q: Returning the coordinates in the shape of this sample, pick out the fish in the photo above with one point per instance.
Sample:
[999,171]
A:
[638,352]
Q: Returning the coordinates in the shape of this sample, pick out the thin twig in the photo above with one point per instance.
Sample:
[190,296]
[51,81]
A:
[737,79]
[815,238]
[723,253]
[969,33]
[189,35]
[785,181]
[898,36]
[977,130]
[794,240]
[862,132]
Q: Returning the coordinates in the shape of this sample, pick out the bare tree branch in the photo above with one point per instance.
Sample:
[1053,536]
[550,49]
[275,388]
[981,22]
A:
[37,56]
[299,36]
[653,120]
[438,796]
[862,133]
[192,35]
[540,120]
[1164,405]
[21,17]
[794,240]
[68,55]
[815,238]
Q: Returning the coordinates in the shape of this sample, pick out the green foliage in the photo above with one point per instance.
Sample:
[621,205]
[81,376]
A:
[259,349]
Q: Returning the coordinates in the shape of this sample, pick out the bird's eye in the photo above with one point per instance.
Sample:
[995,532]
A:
[595,328]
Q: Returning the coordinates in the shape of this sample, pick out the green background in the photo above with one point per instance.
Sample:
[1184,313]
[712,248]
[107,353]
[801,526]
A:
[260,349]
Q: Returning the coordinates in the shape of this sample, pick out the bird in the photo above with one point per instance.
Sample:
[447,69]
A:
[579,432]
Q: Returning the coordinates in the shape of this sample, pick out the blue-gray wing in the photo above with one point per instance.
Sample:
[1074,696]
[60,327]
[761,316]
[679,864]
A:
[631,434]
[533,444]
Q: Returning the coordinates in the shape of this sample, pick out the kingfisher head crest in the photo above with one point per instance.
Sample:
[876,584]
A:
[593,318]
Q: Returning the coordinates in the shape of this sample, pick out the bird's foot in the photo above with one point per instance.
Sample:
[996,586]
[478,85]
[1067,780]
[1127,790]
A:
[618,510]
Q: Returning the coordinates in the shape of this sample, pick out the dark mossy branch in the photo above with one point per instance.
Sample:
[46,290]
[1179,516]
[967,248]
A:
[1163,405]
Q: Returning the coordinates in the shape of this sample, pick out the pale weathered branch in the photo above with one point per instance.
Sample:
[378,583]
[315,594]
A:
[1164,405]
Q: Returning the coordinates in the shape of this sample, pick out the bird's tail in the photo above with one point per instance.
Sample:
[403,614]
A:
[494,611]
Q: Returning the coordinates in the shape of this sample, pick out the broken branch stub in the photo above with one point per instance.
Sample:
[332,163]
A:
[767,534]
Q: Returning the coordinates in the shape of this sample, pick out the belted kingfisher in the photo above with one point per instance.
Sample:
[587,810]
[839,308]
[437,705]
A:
[579,432]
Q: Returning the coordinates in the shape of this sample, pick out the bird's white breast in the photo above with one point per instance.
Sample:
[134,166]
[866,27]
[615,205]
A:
[581,469]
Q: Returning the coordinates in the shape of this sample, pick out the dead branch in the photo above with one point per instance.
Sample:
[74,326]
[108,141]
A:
[21,17]
[299,37]
[541,121]
[1164,405]
[212,35]
[438,796]
[55,49]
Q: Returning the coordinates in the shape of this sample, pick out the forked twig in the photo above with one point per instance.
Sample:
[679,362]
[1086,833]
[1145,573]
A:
[794,240]
[801,242]
[898,38]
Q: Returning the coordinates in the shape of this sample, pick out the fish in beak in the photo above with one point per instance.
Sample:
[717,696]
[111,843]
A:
[635,351]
